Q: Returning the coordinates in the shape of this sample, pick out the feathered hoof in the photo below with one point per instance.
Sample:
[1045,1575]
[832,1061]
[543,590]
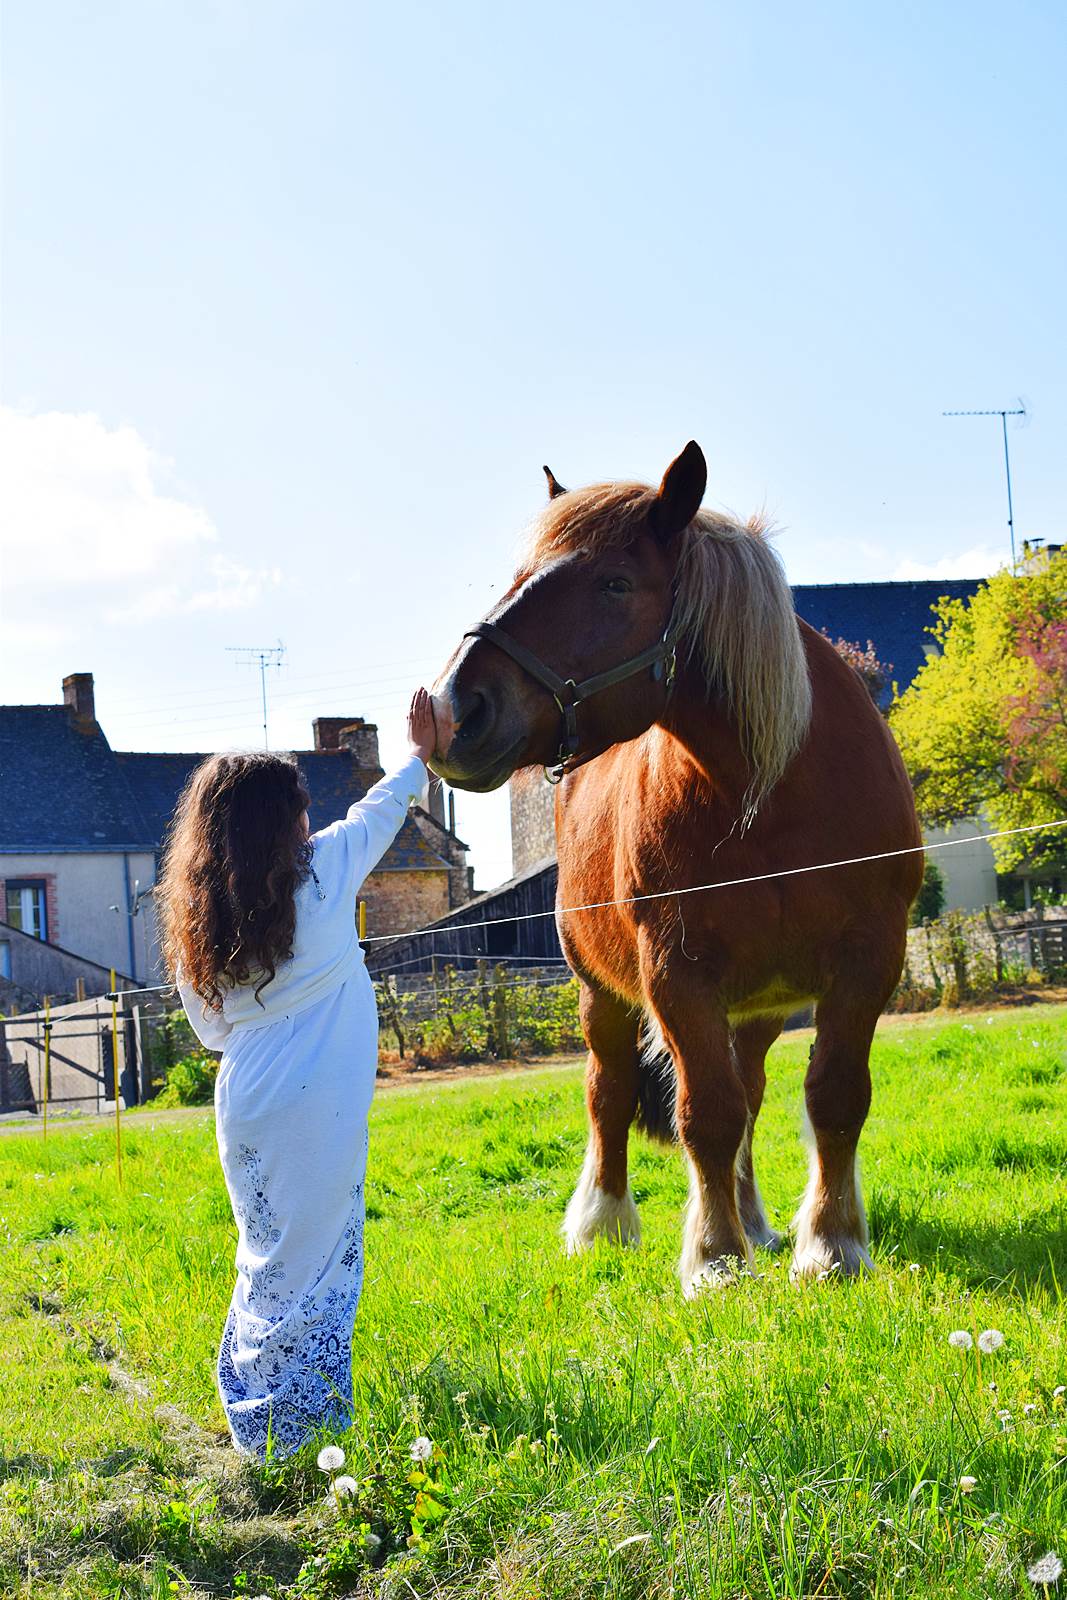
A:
[712,1275]
[594,1214]
[821,1260]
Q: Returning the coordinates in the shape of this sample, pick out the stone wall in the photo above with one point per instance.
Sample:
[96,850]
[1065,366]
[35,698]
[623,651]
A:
[397,902]
[533,821]
[450,849]
[969,952]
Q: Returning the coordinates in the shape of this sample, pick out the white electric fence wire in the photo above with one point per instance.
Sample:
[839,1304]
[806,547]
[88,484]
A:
[670,894]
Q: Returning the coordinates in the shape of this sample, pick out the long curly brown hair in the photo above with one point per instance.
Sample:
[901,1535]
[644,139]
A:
[235,856]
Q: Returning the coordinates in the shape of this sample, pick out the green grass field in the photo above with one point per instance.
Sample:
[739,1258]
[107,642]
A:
[594,1434]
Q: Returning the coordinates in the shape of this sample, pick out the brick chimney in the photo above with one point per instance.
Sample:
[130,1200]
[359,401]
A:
[78,695]
[327,729]
[362,739]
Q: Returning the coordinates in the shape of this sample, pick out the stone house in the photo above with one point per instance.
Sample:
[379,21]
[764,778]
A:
[82,828]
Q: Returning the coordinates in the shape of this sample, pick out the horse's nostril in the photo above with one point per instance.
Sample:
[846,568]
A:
[473,714]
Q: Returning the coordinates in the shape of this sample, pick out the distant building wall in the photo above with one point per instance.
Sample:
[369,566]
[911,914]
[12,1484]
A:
[533,821]
[83,887]
[969,870]
[400,901]
[31,968]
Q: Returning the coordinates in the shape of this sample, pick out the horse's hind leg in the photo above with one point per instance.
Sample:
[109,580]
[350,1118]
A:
[752,1040]
[831,1225]
[602,1205]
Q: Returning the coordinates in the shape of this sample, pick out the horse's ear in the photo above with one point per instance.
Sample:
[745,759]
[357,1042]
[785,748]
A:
[554,488]
[680,493]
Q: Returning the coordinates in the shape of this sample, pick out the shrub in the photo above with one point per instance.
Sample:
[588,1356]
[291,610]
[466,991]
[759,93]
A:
[190,1081]
[930,901]
[461,1021]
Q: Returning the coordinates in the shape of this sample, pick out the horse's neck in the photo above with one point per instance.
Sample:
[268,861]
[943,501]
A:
[704,728]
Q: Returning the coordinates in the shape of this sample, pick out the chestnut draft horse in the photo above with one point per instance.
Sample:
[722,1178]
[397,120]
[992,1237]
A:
[649,652]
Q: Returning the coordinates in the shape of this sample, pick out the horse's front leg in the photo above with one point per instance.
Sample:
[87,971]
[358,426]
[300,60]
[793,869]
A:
[602,1205]
[711,1116]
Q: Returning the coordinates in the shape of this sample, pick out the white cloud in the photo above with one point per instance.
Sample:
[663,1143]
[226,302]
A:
[86,507]
[977,563]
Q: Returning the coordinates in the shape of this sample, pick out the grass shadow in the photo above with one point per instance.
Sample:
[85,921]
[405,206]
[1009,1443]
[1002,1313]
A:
[979,1255]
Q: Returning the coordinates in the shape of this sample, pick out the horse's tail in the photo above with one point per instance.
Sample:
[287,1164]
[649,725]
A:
[655,1085]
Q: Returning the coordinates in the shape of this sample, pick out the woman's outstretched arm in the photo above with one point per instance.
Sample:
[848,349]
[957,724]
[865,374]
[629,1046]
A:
[373,823]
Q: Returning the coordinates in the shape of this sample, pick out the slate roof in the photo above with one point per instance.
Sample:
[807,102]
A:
[893,616]
[64,790]
[334,781]
[156,778]
[61,789]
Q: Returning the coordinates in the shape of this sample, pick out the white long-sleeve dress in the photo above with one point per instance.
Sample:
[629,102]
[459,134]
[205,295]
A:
[291,1105]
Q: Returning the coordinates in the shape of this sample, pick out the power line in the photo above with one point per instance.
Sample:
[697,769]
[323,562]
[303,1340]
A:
[194,715]
[210,697]
[669,894]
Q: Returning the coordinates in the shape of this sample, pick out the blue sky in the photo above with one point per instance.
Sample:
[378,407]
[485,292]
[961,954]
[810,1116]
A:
[297,299]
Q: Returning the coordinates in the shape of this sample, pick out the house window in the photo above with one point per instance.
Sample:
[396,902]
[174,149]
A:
[26,906]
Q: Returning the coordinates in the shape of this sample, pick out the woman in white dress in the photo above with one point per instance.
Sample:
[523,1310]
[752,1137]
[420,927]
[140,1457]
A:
[259,924]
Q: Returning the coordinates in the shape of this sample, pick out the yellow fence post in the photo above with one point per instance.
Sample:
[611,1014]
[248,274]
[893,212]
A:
[47,1059]
[363,919]
[115,1060]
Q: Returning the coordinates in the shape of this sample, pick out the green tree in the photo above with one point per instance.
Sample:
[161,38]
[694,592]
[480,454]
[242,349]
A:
[930,901]
[983,727]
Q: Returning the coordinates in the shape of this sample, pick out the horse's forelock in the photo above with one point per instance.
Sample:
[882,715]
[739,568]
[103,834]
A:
[605,516]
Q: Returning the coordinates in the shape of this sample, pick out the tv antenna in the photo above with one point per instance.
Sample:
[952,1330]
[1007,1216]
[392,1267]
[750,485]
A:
[1017,411]
[263,655]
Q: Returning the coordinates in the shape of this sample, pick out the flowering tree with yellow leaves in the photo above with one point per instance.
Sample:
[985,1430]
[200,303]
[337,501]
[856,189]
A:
[983,728]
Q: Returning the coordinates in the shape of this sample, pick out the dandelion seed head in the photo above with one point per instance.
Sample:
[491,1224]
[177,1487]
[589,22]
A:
[1005,1416]
[914,1267]
[421,1449]
[371,1543]
[1059,1391]
[990,1339]
[331,1458]
[343,1487]
[1028,1411]
[1046,1569]
[968,1485]
[960,1339]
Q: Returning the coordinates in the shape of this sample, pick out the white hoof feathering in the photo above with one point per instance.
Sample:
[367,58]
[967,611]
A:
[593,1214]
[711,1275]
[831,1234]
[702,1266]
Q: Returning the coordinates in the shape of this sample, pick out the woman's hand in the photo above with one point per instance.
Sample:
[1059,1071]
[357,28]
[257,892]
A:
[422,730]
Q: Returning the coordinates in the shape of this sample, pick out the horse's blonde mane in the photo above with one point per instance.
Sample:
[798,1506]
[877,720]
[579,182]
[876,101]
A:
[733,607]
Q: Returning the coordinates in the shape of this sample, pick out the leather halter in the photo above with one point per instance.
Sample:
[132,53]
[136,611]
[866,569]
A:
[568,695]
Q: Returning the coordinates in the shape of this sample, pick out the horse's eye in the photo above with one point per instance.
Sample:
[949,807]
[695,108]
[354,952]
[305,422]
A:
[618,586]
